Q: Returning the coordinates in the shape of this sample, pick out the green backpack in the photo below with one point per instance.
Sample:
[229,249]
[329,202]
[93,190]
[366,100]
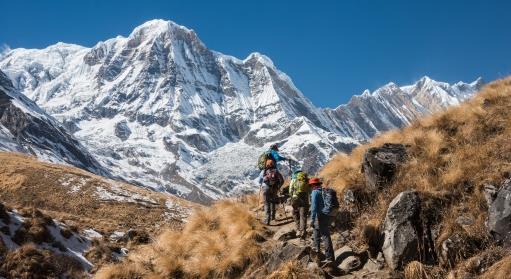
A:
[261,163]
[299,184]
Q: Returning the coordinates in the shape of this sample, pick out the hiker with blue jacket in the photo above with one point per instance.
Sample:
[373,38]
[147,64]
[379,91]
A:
[324,205]
[274,154]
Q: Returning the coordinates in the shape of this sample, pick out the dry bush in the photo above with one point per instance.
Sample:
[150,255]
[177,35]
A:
[33,230]
[217,242]
[415,270]
[451,155]
[123,271]
[30,262]
[502,269]
[101,253]
[292,270]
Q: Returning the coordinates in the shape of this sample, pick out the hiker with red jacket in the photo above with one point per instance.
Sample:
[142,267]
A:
[324,205]
[271,181]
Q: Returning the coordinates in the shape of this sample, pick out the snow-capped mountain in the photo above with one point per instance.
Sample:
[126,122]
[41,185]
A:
[159,109]
[26,128]
[392,106]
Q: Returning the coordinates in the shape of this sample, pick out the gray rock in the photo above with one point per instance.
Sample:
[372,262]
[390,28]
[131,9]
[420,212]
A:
[490,193]
[349,197]
[499,214]
[380,164]
[401,239]
[285,233]
[350,264]
[122,130]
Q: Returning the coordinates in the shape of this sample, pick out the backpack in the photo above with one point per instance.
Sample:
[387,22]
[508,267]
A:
[263,160]
[273,178]
[300,183]
[330,201]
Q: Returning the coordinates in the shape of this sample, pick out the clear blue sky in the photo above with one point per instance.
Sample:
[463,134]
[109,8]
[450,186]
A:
[331,49]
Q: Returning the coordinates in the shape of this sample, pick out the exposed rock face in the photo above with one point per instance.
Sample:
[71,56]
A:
[402,230]
[25,128]
[499,214]
[221,112]
[380,164]
[122,130]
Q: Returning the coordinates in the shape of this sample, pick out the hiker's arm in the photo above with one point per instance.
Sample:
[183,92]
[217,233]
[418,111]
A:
[261,177]
[277,156]
[314,206]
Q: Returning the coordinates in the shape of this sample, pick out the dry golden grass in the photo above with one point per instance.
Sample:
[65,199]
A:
[451,155]
[291,270]
[415,270]
[29,183]
[30,262]
[216,242]
[501,269]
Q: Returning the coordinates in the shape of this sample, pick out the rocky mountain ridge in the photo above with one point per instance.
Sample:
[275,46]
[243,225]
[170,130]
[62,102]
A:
[161,110]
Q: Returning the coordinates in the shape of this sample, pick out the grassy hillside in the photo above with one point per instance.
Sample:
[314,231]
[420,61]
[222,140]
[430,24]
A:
[451,157]
[83,199]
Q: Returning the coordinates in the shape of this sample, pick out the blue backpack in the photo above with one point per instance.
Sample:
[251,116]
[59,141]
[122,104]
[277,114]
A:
[330,201]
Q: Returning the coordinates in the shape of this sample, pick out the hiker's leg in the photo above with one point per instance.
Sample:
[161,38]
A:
[273,209]
[317,237]
[303,219]
[296,216]
[324,224]
[267,204]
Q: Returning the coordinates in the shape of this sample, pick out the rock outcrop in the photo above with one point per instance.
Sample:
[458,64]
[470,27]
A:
[402,230]
[380,164]
[499,214]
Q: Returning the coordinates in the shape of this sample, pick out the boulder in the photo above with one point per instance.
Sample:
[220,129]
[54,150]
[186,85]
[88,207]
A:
[287,252]
[373,265]
[402,230]
[490,193]
[499,214]
[350,264]
[380,164]
[285,233]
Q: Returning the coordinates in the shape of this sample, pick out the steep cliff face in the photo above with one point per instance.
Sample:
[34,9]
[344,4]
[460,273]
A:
[159,109]
[25,128]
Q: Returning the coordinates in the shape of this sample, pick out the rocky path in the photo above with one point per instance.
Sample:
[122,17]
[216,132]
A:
[284,246]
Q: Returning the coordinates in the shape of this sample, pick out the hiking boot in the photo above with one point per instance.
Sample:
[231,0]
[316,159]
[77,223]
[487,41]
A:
[315,257]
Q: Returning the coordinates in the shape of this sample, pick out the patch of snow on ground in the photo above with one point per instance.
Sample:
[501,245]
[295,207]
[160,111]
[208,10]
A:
[116,193]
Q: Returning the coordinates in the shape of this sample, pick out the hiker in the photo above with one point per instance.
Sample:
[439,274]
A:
[271,154]
[271,181]
[299,191]
[321,208]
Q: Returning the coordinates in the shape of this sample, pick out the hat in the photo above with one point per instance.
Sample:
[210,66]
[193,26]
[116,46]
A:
[314,181]
[275,147]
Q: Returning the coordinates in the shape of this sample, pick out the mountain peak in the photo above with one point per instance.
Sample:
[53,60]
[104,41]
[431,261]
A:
[261,58]
[157,27]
